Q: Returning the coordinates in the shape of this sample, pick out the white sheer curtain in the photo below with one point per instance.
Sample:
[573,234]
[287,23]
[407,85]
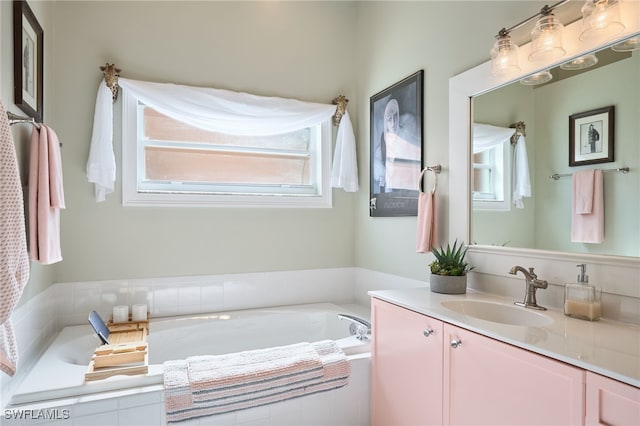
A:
[486,136]
[234,113]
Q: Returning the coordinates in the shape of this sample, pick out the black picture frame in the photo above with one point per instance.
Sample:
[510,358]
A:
[28,56]
[396,139]
[591,136]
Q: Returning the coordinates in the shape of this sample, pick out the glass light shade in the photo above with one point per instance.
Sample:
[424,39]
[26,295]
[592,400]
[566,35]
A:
[580,63]
[600,19]
[537,78]
[546,39]
[628,45]
[504,57]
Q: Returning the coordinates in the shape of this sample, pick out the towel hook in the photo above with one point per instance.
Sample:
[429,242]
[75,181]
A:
[436,169]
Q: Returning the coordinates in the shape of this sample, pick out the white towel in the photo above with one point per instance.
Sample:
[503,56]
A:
[520,176]
[101,165]
[344,172]
[14,260]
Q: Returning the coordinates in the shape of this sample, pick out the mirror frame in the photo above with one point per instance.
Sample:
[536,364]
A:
[557,267]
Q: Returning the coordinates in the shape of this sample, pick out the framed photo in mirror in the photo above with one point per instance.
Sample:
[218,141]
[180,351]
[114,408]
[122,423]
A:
[591,136]
[396,148]
[28,54]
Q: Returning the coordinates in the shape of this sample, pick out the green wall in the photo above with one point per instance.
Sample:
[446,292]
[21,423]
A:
[306,50]
[554,103]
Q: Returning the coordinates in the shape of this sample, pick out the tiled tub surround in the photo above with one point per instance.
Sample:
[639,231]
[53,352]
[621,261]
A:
[59,373]
[39,320]
[113,400]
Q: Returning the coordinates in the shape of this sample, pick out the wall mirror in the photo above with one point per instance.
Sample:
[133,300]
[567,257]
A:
[544,219]
[467,92]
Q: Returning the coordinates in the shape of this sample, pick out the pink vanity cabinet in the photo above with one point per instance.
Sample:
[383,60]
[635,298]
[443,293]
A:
[487,382]
[406,385]
[457,377]
[610,402]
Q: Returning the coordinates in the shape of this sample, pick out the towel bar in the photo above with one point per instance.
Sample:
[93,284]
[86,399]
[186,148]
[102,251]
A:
[623,170]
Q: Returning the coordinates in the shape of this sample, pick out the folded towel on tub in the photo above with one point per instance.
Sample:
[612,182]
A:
[177,393]
[207,385]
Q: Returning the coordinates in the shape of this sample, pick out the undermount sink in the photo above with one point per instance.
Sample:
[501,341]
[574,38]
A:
[498,312]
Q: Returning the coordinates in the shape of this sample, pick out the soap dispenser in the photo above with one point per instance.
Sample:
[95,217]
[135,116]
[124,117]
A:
[582,300]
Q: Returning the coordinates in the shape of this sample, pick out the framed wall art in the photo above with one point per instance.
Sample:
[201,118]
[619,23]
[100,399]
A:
[28,53]
[591,136]
[396,135]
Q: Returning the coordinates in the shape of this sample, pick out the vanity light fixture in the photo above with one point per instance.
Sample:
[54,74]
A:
[548,42]
[537,78]
[580,62]
[546,37]
[504,55]
[600,19]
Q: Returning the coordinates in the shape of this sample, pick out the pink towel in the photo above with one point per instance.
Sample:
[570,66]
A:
[426,221]
[14,262]
[587,207]
[46,196]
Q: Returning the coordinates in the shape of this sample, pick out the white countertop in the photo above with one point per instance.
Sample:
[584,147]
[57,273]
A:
[605,347]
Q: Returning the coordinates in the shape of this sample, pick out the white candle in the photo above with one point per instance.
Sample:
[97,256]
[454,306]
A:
[120,313]
[139,312]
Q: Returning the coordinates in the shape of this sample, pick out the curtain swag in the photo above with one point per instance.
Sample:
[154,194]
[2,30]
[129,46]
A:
[219,111]
[486,136]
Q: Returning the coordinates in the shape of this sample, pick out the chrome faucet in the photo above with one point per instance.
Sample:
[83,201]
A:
[532,284]
[359,327]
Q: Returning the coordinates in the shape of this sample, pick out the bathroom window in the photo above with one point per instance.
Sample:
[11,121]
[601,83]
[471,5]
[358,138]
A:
[167,162]
[491,178]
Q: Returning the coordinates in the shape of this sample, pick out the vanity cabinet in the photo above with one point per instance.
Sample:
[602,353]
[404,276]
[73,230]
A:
[456,377]
[406,385]
[610,402]
[489,382]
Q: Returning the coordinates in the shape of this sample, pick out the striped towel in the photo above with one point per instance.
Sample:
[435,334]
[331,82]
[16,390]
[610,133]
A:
[206,385]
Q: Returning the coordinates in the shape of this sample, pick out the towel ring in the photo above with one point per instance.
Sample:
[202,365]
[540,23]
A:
[436,169]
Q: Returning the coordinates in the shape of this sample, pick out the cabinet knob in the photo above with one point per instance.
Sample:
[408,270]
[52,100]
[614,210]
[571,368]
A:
[455,343]
[428,332]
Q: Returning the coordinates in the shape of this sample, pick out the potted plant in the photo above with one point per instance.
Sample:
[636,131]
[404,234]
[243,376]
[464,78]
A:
[449,270]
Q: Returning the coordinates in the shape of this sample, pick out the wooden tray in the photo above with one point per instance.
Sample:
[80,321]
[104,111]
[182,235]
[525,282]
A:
[127,352]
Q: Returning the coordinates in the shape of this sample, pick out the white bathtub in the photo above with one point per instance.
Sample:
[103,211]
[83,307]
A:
[59,373]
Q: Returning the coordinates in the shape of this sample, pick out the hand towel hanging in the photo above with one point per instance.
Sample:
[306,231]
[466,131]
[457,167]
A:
[427,215]
[587,227]
[46,196]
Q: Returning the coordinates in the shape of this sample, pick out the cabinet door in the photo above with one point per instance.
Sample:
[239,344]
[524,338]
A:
[610,402]
[487,382]
[406,385]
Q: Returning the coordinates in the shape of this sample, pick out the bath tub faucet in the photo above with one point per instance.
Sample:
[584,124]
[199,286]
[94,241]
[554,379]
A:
[532,284]
[359,327]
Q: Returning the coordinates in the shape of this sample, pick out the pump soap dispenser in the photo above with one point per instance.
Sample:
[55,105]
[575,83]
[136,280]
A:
[582,300]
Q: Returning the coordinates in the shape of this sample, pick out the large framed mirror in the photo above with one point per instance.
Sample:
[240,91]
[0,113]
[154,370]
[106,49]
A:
[538,234]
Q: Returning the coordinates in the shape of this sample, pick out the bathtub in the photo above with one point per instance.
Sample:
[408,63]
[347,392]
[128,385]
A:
[59,373]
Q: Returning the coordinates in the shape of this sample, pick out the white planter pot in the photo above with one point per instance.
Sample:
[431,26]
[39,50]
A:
[447,284]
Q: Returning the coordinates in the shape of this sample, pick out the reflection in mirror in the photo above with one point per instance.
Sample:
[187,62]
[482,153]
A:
[544,221]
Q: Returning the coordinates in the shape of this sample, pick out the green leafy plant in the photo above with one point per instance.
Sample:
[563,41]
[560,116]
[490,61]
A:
[450,261]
